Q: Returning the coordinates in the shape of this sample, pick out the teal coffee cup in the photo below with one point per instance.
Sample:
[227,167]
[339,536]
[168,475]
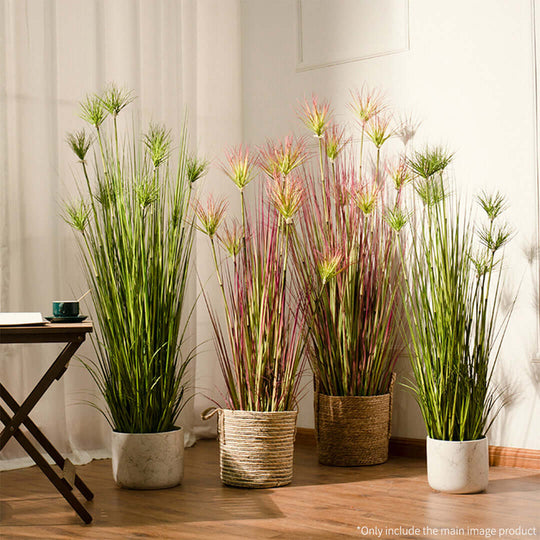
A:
[63,308]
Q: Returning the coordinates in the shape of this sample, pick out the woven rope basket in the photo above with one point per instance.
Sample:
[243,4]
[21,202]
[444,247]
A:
[256,448]
[353,430]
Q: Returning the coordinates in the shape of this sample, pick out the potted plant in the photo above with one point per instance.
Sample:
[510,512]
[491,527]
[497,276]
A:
[259,344]
[135,232]
[349,268]
[453,295]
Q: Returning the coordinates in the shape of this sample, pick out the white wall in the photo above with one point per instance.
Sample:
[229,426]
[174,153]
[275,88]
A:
[219,125]
[468,76]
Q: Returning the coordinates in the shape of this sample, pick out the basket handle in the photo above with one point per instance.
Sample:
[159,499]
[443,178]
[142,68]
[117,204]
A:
[208,413]
[211,411]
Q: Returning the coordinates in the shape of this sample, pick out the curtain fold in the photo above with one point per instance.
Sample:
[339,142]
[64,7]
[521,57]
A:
[53,53]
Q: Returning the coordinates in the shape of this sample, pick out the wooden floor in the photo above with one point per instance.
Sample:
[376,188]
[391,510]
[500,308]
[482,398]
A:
[322,502]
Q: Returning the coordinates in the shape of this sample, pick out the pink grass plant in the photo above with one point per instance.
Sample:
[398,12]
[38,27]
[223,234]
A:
[399,172]
[366,104]
[211,215]
[347,262]
[379,129]
[282,157]
[261,341]
[335,141]
[232,237]
[286,195]
[315,115]
[239,166]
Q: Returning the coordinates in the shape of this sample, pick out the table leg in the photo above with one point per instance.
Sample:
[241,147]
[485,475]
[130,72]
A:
[53,373]
[62,486]
[44,442]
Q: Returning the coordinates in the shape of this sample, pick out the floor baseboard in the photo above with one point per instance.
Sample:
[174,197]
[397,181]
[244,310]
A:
[405,447]
[305,436]
[501,456]
[506,456]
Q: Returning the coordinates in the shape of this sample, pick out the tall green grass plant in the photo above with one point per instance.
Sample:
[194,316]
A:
[135,230]
[452,299]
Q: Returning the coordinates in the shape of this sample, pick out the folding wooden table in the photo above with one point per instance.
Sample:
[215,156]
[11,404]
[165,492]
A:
[73,335]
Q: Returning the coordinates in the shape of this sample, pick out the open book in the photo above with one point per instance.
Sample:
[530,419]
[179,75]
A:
[19,318]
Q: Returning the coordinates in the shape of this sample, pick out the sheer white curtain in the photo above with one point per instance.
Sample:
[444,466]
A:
[175,54]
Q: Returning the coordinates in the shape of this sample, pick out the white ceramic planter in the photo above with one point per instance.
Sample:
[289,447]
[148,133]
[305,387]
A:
[148,460]
[458,466]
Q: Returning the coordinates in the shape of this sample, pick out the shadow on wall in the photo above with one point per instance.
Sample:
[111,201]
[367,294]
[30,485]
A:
[532,253]
[517,386]
[407,419]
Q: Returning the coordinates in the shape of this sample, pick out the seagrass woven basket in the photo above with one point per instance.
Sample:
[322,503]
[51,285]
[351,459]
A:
[255,448]
[353,430]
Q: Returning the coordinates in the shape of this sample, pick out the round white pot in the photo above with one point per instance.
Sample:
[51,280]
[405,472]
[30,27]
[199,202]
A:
[458,466]
[148,460]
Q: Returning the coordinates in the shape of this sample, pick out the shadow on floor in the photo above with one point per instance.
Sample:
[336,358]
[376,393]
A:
[308,471]
[515,485]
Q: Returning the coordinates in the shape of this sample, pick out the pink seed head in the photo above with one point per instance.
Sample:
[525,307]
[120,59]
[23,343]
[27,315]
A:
[282,157]
[315,115]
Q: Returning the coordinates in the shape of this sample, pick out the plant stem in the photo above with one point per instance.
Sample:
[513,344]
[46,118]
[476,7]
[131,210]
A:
[361,153]
[323,183]
[220,280]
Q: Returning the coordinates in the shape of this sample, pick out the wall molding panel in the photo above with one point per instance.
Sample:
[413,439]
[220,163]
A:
[325,26]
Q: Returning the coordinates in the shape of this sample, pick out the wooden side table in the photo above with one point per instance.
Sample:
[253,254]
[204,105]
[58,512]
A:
[73,335]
